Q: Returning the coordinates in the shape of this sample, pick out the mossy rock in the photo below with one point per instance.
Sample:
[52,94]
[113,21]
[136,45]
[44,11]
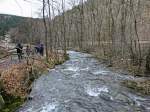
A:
[66,57]
[2,102]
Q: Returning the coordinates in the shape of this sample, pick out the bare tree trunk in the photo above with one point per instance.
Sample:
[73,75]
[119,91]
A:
[64,28]
[45,25]
[50,26]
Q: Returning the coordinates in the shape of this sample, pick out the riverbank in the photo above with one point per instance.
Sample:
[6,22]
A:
[124,67]
[16,81]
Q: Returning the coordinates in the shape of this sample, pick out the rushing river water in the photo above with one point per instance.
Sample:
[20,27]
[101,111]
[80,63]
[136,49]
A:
[83,84]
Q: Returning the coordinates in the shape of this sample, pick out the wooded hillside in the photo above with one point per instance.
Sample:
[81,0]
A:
[115,29]
[7,22]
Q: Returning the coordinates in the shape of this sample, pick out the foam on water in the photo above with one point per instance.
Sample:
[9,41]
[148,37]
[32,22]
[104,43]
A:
[96,91]
[103,72]
[48,108]
[103,89]
[74,69]
[85,69]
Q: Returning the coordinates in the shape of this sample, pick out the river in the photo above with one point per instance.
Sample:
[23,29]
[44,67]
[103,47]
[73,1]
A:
[83,84]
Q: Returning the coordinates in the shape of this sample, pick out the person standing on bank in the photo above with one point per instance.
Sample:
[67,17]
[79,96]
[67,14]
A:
[19,49]
[28,50]
[37,48]
[41,49]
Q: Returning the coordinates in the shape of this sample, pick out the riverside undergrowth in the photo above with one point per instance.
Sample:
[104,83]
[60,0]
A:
[16,81]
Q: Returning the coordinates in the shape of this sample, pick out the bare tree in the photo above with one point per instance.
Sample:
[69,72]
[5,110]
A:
[46,31]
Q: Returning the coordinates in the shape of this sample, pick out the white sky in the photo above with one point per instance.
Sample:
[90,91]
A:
[19,7]
[26,8]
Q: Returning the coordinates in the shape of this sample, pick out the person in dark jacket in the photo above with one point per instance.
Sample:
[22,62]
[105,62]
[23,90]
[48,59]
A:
[19,49]
[42,50]
[37,49]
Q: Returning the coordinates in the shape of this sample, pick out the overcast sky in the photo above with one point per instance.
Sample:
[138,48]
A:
[26,8]
[19,7]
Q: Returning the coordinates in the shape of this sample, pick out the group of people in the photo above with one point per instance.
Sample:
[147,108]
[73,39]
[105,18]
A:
[39,49]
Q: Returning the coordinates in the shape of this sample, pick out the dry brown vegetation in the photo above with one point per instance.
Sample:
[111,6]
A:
[17,79]
[13,80]
[141,86]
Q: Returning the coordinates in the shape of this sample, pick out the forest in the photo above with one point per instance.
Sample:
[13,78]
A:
[114,30]
[7,22]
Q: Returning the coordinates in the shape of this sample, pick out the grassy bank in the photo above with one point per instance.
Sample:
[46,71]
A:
[16,81]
